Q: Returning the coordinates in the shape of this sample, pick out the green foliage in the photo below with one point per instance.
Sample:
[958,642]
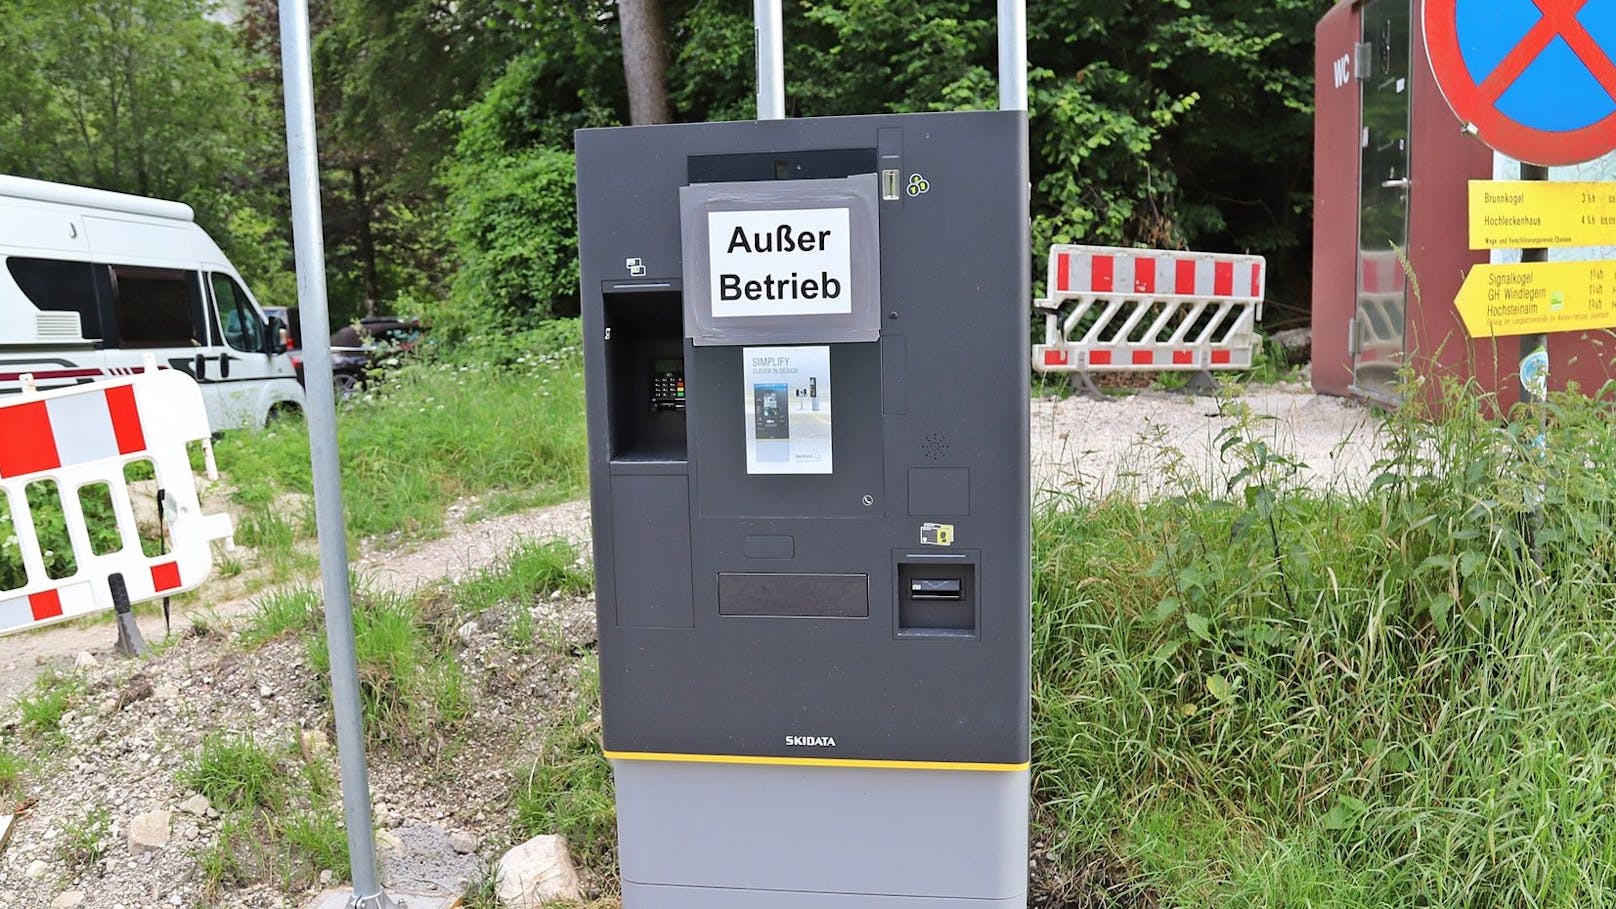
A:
[315,840]
[282,612]
[11,768]
[503,416]
[514,219]
[236,773]
[275,825]
[412,690]
[1276,695]
[568,788]
[531,571]
[53,695]
[84,840]
[141,96]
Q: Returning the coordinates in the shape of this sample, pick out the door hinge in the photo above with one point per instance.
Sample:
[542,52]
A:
[1363,60]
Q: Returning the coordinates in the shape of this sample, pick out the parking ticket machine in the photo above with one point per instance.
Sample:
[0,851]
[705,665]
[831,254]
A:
[806,355]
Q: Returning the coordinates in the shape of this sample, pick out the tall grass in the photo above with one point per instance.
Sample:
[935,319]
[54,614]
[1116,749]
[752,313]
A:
[504,421]
[1267,696]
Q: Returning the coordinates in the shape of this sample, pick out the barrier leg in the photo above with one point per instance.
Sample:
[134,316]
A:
[130,642]
[1083,384]
[1201,384]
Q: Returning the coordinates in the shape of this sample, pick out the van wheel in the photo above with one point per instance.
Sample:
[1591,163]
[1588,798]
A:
[284,411]
[345,384]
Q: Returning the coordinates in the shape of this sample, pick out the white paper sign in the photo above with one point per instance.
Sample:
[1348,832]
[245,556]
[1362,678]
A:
[795,262]
[788,412]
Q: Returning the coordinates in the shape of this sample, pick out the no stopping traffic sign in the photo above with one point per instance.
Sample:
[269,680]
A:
[1534,78]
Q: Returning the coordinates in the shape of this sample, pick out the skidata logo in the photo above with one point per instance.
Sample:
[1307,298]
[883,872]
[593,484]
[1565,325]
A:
[810,741]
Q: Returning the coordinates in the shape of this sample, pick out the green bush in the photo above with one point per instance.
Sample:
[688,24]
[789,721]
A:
[513,218]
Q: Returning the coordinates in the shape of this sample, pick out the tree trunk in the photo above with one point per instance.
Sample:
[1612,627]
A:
[645,60]
[367,242]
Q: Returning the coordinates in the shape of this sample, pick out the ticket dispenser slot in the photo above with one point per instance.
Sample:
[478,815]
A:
[936,598]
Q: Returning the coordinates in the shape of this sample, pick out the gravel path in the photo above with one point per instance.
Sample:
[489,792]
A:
[464,547]
[1151,442]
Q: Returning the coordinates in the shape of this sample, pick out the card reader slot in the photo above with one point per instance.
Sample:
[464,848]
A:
[936,589]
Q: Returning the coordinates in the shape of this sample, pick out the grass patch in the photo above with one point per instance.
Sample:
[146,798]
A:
[428,435]
[568,788]
[236,773]
[280,817]
[411,688]
[531,571]
[315,840]
[1264,695]
[84,841]
[11,768]
[54,694]
[282,612]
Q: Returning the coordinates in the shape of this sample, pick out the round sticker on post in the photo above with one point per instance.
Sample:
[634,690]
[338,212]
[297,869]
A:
[1534,79]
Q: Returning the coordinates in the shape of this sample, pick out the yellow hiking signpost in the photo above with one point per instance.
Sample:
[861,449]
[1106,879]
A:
[1538,298]
[1528,214]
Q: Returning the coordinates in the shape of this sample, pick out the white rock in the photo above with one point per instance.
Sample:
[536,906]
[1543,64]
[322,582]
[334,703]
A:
[463,842]
[166,691]
[36,868]
[197,805]
[149,832]
[388,841]
[326,877]
[86,660]
[537,872]
[69,900]
[466,632]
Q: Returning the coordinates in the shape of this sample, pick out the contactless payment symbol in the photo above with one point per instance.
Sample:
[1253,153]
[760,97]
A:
[1533,79]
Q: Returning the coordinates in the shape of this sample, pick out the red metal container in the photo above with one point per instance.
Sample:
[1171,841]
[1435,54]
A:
[1391,170]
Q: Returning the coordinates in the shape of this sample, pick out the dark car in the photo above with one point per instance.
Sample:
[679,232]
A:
[369,346]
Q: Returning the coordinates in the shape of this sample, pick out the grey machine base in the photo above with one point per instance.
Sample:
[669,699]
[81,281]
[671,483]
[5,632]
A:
[742,836]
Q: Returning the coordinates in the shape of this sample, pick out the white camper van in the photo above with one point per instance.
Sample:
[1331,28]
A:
[92,281]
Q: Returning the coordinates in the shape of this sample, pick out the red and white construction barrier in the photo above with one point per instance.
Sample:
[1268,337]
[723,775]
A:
[86,435]
[1141,309]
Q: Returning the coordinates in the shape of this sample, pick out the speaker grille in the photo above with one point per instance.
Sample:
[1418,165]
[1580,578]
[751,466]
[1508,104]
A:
[935,446]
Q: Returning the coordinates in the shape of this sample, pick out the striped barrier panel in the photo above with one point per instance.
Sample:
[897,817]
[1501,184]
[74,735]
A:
[1110,308]
[87,435]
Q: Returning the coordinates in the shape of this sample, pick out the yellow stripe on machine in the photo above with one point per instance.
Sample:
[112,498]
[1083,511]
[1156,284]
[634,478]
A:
[814,762]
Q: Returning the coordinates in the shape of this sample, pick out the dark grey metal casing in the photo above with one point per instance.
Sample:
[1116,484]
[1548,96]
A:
[764,616]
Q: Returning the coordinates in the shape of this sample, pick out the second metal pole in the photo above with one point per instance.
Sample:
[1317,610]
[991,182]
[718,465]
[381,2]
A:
[1012,54]
[330,523]
[771,78]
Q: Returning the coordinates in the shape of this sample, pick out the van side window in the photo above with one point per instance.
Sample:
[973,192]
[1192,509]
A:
[57,286]
[157,307]
[243,330]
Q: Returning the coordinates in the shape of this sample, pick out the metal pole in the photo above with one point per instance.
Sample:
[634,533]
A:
[322,419]
[1530,344]
[1012,54]
[771,77]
